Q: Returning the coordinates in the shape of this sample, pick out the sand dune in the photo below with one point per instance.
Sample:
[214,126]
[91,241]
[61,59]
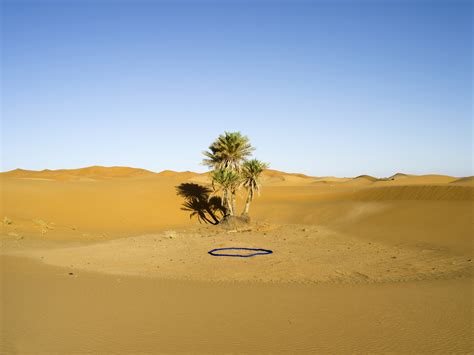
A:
[269,177]
[88,173]
[277,173]
[430,179]
[275,177]
[363,242]
[330,180]
[178,174]
[400,179]
[399,176]
[117,172]
[416,192]
[468,181]
[115,203]
[362,180]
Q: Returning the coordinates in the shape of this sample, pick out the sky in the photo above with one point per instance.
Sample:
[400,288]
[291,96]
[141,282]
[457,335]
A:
[324,88]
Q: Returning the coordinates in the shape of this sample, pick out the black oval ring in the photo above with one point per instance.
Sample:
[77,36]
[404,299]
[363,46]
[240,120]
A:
[258,252]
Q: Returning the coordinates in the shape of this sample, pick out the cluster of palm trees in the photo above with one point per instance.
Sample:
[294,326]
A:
[229,158]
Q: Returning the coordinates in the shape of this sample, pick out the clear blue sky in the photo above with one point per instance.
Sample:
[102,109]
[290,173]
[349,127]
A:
[325,88]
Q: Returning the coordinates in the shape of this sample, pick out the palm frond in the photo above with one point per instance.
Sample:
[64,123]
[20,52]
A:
[251,172]
[228,151]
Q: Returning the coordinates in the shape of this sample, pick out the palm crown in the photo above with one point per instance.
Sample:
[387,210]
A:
[251,171]
[228,158]
[228,181]
[225,178]
[228,151]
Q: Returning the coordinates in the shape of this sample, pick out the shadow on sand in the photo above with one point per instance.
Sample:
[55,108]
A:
[198,201]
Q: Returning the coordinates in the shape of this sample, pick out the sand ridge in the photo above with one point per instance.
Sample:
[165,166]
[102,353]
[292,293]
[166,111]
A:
[468,181]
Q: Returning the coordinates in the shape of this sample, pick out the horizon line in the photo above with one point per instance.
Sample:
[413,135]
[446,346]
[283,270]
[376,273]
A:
[202,173]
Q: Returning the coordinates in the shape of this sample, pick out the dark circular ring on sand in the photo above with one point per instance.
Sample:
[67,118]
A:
[257,251]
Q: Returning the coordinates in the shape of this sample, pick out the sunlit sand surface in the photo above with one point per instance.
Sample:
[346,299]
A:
[104,260]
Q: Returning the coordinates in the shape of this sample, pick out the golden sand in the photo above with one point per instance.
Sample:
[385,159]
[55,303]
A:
[104,260]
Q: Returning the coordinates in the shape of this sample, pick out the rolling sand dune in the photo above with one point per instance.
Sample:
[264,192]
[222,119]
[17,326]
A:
[362,179]
[89,173]
[469,181]
[275,177]
[399,176]
[116,206]
[180,175]
[361,245]
[330,180]
[417,192]
[431,179]
[269,177]
[281,174]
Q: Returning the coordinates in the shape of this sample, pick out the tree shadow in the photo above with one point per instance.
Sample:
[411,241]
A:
[198,201]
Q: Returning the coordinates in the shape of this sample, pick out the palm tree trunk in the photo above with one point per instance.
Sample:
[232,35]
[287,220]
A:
[247,203]
[228,204]
[233,203]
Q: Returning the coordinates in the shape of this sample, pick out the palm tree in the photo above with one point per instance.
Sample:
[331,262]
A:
[228,151]
[225,156]
[251,171]
[228,181]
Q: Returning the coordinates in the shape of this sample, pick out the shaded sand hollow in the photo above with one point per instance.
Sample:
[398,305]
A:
[103,259]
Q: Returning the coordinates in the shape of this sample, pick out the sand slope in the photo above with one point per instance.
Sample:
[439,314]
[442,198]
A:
[49,311]
[301,254]
[362,180]
[468,181]
[403,179]
[116,202]
[416,192]
[105,260]
[120,202]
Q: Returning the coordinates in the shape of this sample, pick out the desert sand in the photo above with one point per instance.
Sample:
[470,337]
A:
[104,260]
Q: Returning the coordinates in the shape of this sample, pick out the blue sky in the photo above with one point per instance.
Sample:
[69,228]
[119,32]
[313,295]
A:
[320,87]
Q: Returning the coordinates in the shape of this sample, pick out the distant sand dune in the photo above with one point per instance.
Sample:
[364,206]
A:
[423,192]
[272,177]
[468,181]
[277,173]
[362,180]
[93,172]
[402,179]
[330,180]
[176,174]
[399,176]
